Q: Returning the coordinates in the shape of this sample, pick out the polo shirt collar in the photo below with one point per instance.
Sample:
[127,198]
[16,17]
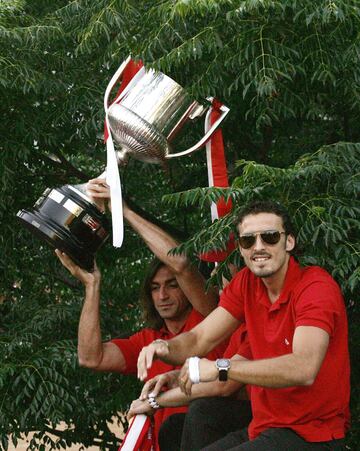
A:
[293,274]
[166,334]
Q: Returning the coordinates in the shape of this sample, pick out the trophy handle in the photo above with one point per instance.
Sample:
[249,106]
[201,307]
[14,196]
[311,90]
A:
[224,111]
[114,80]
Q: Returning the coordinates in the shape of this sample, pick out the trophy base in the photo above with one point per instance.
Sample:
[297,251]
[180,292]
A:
[67,220]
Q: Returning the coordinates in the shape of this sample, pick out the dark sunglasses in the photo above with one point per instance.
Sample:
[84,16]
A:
[268,237]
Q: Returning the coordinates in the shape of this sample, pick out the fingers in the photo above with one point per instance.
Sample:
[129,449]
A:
[185,383]
[138,407]
[85,277]
[130,414]
[147,388]
[145,361]
[132,410]
[66,261]
[158,348]
[159,385]
[98,188]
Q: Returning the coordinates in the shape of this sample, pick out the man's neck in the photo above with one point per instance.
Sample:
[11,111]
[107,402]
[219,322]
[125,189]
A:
[275,283]
[175,325]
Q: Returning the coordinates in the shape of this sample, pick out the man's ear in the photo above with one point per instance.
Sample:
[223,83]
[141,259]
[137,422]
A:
[290,242]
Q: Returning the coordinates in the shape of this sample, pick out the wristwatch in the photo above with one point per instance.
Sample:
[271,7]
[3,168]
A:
[223,365]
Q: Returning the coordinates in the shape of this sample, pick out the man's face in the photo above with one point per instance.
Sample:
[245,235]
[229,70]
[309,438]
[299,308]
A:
[169,300]
[265,260]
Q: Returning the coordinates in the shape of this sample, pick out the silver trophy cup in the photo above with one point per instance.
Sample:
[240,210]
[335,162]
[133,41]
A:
[149,113]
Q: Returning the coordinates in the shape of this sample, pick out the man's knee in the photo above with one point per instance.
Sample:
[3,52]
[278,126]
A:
[203,411]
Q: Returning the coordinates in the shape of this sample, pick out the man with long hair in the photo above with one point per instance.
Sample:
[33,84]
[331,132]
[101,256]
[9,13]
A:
[173,297]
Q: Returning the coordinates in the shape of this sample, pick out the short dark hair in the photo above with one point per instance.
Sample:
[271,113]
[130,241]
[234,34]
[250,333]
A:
[150,315]
[268,206]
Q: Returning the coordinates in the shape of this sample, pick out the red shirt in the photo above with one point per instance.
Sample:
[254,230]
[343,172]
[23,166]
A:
[310,297]
[131,347]
[238,344]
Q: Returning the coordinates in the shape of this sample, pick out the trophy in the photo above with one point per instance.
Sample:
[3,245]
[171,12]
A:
[143,120]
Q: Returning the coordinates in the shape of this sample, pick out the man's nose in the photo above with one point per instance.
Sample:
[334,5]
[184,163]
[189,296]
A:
[163,293]
[259,244]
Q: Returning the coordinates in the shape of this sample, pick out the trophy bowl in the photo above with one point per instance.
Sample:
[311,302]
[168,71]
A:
[68,220]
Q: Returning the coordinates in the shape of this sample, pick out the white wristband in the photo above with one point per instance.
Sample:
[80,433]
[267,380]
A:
[194,370]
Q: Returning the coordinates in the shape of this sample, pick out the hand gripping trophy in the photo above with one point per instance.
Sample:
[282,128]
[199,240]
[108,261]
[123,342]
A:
[142,120]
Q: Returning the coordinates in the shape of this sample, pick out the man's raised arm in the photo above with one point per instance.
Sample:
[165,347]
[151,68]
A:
[92,352]
[160,243]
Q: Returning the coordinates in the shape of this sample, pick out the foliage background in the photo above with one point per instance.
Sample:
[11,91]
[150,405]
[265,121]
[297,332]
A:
[288,70]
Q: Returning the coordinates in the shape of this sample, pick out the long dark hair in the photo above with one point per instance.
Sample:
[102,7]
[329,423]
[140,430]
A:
[149,313]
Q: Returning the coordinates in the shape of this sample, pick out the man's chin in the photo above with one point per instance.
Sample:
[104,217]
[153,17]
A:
[265,275]
[263,272]
[167,315]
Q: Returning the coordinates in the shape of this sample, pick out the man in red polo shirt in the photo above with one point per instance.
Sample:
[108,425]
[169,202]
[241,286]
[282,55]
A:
[174,300]
[297,328]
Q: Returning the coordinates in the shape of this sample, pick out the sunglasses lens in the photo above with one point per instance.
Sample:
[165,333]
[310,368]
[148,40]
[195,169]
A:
[270,237]
[246,241]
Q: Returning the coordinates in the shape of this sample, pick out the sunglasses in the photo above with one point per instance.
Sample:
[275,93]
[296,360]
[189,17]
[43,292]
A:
[271,237]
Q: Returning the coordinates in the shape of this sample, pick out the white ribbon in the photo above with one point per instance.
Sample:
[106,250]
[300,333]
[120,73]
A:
[213,207]
[194,369]
[113,180]
[136,427]
[112,170]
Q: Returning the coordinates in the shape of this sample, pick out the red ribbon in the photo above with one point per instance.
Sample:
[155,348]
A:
[220,179]
[144,435]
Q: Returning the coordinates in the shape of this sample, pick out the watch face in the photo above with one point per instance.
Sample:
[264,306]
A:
[223,363]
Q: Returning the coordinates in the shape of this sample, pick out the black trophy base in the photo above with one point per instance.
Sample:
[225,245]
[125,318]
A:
[67,220]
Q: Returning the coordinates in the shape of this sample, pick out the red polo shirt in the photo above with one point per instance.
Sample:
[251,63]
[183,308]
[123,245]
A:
[238,344]
[310,297]
[131,347]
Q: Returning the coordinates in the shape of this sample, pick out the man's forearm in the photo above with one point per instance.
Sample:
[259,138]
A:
[89,333]
[158,241]
[187,345]
[300,367]
[278,372]
[175,397]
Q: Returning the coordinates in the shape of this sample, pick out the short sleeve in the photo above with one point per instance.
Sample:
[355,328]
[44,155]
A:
[231,298]
[131,347]
[239,344]
[319,305]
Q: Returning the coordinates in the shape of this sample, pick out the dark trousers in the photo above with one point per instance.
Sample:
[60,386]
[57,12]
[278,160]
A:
[275,439]
[207,420]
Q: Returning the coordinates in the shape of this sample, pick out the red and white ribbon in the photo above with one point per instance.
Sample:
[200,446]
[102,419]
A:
[217,176]
[139,436]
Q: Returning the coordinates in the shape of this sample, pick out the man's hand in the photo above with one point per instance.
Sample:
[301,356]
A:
[99,191]
[85,277]
[158,348]
[155,385]
[208,372]
[139,406]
